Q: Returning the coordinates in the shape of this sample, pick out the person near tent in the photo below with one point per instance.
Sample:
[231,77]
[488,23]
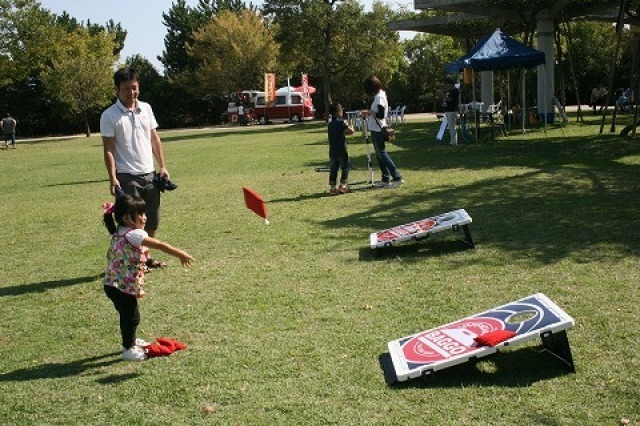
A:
[451,108]
[498,51]
[624,100]
[598,97]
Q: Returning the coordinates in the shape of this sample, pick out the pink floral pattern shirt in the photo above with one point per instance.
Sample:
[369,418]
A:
[126,258]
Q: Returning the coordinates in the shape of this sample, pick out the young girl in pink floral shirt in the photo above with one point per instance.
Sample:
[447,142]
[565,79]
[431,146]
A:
[126,257]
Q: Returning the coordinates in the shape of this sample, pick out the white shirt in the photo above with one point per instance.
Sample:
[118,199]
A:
[374,123]
[132,130]
[135,237]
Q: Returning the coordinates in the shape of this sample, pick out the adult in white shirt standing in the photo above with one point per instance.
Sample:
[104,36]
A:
[451,106]
[376,118]
[131,143]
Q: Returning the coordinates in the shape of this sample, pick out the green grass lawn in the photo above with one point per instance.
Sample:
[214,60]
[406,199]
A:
[285,323]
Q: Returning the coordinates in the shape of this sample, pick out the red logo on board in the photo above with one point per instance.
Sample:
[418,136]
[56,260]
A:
[406,230]
[449,341]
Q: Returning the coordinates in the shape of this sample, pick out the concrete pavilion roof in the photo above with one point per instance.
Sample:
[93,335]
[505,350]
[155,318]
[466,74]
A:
[471,18]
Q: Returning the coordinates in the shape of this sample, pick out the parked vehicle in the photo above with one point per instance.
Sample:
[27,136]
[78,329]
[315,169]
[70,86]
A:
[291,104]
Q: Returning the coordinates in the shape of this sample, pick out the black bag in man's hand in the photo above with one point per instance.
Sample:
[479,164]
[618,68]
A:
[163,183]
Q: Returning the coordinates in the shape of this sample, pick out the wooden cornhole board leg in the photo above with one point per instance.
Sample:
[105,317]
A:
[557,344]
[467,235]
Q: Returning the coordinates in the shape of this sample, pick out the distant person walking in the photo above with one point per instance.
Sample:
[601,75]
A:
[376,118]
[9,129]
[598,97]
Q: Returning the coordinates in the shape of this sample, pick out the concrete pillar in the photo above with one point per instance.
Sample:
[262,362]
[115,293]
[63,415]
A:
[546,81]
[486,88]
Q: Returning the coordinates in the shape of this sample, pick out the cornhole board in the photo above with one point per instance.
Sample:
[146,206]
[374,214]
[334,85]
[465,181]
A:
[421,229]
[532,317]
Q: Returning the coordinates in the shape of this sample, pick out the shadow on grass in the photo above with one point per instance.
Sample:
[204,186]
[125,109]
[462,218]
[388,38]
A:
[58,370]
[17,290]
[222,132]
[553,198]
[80,182]
[301,197]
[514,368]
[178,135]
[117,378]
[414,249]
[47,140]
[357,186]
[416,148]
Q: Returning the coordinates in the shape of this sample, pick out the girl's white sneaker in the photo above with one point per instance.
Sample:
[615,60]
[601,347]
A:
[139,342]
[134,353]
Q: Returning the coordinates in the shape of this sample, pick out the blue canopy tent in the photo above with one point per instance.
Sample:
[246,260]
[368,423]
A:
[498,52]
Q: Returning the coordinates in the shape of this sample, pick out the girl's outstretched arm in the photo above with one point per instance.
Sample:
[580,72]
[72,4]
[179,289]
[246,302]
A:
[185,258]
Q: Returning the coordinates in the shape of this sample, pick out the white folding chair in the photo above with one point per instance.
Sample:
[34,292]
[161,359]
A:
[392,115]
[401,112]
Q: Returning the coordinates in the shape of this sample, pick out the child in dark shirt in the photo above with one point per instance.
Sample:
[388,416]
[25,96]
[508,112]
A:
[338,154]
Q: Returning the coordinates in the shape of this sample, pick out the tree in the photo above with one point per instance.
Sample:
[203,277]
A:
[592,44]
[147,73]
[27,39]
[336,41]
[119,34]
[37,45]
[66,21]
[234,50]
[181,22]
[81,74]
[422,72]
[234,5]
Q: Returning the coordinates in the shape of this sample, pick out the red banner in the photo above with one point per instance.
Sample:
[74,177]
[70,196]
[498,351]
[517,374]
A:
[269,88]
[305,84]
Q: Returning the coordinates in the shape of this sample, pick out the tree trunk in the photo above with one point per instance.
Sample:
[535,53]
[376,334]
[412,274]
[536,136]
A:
[86,124]
[326,65]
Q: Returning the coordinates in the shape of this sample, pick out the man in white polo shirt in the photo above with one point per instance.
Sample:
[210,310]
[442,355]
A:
[131,142]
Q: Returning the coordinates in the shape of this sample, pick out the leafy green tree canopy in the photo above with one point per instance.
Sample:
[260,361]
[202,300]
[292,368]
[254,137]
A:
[336,41]
[81,73]
[234,50]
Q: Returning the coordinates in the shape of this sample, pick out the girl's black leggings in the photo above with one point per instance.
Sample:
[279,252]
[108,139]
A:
[127,307]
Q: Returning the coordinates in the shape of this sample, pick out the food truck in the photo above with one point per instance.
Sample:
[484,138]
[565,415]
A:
[291,104]
[247,98]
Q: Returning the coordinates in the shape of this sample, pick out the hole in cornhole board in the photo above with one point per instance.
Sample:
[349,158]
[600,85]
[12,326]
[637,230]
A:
[521,317]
